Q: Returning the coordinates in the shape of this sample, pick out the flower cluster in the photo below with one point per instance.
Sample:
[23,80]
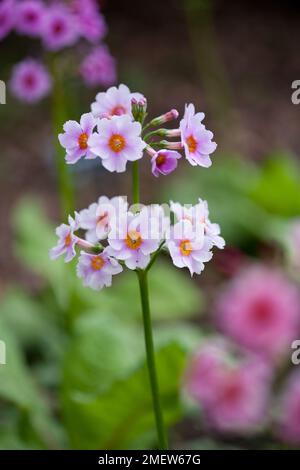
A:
[57,25]
[117,134]
[117,236]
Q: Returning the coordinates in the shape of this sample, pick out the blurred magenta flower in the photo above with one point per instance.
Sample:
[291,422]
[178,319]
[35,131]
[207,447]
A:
[75,139]
[98,67]
[29,17]
[91,23]
[117,141]
[59,28]
[289,411]
[232,392]
[260,310]
[195,138]
[30,81]
[7,17]
[96,270]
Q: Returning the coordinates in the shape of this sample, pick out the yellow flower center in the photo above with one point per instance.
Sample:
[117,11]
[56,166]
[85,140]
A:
[191,143]
[82,140]
[133,240]
[118,111]
[97,263]
[160,160]
[185,247]
[116,143]
[68,240]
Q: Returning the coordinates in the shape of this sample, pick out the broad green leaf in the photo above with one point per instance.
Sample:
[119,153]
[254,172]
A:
[28,318]
[106,395]
[34,238]
[18,388]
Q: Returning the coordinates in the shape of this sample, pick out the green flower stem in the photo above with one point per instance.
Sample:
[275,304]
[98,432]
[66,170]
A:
[59,116]
[135,183]
[143,284]
[161,433]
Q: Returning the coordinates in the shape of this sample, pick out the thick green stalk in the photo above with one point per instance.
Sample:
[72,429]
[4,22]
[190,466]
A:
[59,116]
[157,408]
[143,284]
[135,183]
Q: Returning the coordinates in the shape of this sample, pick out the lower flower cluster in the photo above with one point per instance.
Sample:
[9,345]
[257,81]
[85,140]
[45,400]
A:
[115,236]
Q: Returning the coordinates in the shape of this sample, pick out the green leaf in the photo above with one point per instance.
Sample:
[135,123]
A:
[29,318]
[18,388]
[277,188]
[106,394]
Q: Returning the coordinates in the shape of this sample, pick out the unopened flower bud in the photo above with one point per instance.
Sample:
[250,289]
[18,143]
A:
[169,116]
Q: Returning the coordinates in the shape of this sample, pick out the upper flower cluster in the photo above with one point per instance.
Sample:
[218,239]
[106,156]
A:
[117,236]
[115,131]
[58,25]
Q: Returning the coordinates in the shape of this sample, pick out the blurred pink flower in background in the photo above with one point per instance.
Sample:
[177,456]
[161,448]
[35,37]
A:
[29,17]
[233,393]
[59,28]
[289,413]
[30,81]
[98,67]
[7,17]
[259,309]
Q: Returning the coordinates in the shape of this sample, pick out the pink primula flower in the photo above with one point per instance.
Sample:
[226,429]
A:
[66,240]
[114,102]
[99,218]
[164,162]
[198,215]
[75,139]
[97,270]
[196,139]
[135,238]
[189,248]
[117,141]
